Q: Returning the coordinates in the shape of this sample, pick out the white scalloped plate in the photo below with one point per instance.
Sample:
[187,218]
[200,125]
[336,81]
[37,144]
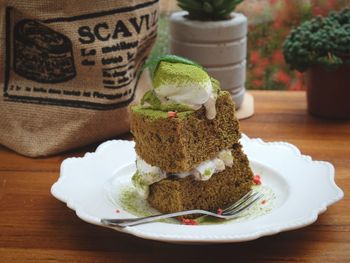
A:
[303,189]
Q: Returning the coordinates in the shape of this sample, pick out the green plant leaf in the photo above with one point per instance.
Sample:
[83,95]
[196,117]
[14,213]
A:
[207,7]
[230,6]
[190,5]
[217,3]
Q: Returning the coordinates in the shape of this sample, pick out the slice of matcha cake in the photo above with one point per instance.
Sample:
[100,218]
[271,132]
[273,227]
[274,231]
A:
[186,134]
[177,144]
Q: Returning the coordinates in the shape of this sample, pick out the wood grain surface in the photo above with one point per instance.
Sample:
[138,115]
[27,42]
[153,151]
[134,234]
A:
[35,227]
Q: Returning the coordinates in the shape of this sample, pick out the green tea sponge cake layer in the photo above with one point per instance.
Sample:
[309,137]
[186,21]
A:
[223,188]
[180,143]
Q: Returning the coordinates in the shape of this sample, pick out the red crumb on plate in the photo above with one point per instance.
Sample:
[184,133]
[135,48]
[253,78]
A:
[257,179]
[171,114]
[187,221]
[219,212]
[263,201]
[117,211]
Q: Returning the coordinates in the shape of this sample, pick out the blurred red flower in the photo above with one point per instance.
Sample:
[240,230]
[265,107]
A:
[331,3]
[297,85]
[282,77]
[277,24]
[259,71]
[277,57]
[257,83]
[254,57]
[317,11]
[299,75]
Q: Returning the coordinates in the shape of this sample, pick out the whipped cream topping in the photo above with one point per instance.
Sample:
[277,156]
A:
[193,95]
[147,174]
[185,84]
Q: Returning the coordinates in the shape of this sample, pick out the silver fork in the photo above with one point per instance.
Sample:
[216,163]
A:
[228,213]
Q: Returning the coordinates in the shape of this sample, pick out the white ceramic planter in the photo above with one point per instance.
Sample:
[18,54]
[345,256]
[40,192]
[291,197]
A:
[220,46]
[212,54]
[238,94]
[230,76]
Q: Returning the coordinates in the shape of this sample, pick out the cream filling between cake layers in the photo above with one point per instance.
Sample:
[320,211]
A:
[147,174]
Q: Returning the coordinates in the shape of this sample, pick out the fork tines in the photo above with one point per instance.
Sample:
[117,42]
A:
[246,201]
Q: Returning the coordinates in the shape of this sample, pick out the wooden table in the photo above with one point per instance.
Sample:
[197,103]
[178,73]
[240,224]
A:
[36,227]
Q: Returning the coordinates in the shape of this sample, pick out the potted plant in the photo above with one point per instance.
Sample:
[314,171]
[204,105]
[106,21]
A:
[321,48]
[210,33]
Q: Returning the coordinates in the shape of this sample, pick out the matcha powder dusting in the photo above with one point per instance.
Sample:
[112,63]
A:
[169,73]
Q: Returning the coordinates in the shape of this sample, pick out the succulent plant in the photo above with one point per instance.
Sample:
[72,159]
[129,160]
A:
[319,41]
[208,9]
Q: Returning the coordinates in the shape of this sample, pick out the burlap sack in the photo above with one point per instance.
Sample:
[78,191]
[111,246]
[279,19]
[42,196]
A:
[68,69]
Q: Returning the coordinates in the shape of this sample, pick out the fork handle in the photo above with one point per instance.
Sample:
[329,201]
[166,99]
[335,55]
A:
[142,220]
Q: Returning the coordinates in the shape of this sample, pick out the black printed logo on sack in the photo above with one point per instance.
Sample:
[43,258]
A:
[85,61]
[42,54]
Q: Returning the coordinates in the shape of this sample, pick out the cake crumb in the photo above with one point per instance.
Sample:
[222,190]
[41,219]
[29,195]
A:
[219,212]
[187,221]
[172,114]
[257,179]
[117,211]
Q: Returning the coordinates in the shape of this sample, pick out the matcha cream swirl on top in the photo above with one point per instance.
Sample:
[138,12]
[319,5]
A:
[179,86]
